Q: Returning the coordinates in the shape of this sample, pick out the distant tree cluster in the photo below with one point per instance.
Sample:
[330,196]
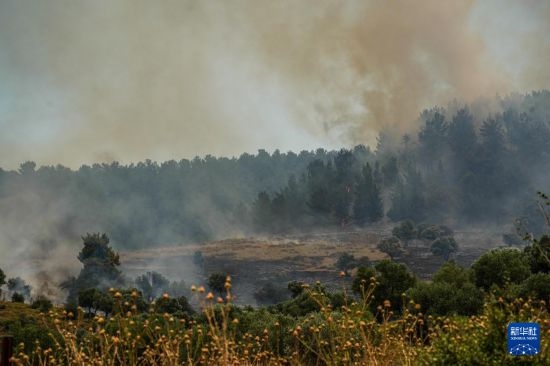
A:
[17,289]
[341,192]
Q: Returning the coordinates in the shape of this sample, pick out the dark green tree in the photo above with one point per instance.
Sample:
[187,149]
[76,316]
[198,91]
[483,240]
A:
[269,294]
[408,199]
[500,267]
[262,214]
[343,186]
[462,139]
[444,299]
[453,274]
[2,280]
[295,288]
[391,246]
[444,247]
[393,279]
[345,262]
[390,171]
[432,137]
[100,267]
[405,231]
[536,286]
[17,297]
[174,305]
[42,304]
[94,300]
[152,284]
[216,282]
[368,205]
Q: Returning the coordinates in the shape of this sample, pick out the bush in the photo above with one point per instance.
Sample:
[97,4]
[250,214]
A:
[17,297]
[392,281]
[405,231]
[500,267]
[453,274]
[391,246]
[345,262]
[270,294]
[432,232]
[216,282]
[441,298]
[173,305]
[42,304]
[538,254]
[444,247]
[536,286]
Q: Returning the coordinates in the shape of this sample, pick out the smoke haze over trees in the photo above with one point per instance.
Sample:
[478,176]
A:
[461,167]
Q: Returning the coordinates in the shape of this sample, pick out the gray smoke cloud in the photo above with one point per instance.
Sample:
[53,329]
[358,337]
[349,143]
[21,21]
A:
[86,81]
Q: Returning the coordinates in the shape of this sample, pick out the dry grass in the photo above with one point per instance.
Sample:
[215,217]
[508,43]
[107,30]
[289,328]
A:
[325,249]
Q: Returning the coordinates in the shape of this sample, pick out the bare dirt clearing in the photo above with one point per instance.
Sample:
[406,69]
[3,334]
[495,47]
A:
[307,257]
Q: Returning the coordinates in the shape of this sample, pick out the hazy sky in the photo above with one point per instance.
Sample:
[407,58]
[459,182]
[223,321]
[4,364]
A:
[93,81]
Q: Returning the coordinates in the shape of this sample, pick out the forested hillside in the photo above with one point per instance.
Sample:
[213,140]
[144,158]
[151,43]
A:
[463,165]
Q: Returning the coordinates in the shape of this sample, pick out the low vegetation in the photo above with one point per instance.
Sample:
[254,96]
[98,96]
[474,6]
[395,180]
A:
[386,317]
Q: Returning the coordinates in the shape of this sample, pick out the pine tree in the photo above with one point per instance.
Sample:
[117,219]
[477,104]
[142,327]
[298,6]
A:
[368,205]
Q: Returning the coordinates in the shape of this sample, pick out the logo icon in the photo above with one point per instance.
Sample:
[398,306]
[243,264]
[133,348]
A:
[523,339]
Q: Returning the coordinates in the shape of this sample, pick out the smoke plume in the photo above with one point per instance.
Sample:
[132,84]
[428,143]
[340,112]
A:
[127,80]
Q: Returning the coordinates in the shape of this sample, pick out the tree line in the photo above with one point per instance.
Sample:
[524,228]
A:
[462,165]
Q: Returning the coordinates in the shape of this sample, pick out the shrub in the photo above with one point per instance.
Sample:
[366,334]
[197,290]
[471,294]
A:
[500,267]
[270,294]
[391,246]
[216,282]
[444,247]
[405,231]
[432,232]
[392,280]
[17,297]
[42,304]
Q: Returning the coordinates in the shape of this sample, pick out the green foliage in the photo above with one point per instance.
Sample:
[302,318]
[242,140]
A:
[473,174]
[432,232]
[152,284]
[270,294]
[173,305]
[538,254]
[536,286]
[405,231]
[441,298]
[451,292]
[453,274]
[368,205]
[17,297]
[345,262]
[444,247]
[95,300]
[100,267]
[481,340]
[2,280]
[295,288]
[392,281]
[42,304]
[408,197]
[500,267]
[391,246]
[25,325]
[308,300]
[216,282]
